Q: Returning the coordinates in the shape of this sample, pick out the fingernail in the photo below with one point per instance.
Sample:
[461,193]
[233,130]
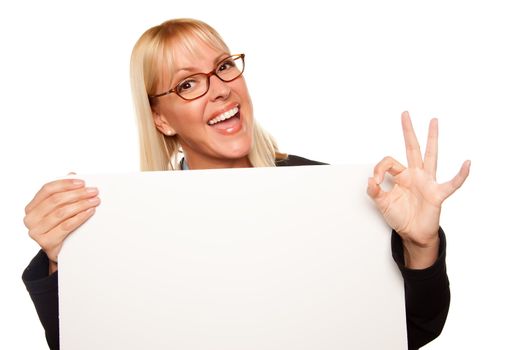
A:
[89,211]
[91,189]
[77,182]
[94,200]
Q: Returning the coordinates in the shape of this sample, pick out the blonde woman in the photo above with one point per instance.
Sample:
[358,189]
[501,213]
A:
[194,112]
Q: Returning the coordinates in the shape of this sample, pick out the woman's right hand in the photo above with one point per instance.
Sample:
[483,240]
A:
[58,209]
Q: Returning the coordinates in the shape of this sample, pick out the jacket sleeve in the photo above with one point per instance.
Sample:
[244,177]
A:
[427,295]
[43,290]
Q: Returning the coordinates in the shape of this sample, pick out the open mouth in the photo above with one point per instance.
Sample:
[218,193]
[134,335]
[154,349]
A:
[222,118]
[228,121]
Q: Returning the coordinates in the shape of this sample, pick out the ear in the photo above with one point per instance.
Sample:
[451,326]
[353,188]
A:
[161,123]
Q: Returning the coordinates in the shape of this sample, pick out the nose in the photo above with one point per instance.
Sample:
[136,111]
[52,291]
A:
[218,89]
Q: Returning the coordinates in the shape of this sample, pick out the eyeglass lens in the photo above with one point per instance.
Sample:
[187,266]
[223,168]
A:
[198,84]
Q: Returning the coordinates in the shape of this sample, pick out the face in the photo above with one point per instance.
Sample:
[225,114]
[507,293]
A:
[207,142]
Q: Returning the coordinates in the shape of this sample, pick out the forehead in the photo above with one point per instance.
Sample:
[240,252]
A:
[191,52]
[200,53]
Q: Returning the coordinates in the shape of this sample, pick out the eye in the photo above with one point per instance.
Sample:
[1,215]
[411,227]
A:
[227,64]
[186,85]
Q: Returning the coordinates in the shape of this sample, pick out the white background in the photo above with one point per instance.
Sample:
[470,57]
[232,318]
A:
[329,81]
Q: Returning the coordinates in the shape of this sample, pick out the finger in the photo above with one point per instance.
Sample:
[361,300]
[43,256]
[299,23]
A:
[375,192]
[52,241]
[431,151]
[37,212]
[387,165]
[379,196]
[51,188]
[412,147]
[450,187]
[62,214]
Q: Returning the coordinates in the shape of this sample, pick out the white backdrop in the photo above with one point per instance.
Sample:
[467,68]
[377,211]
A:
[329,81]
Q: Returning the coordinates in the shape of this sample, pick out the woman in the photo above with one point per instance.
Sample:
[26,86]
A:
[194,112]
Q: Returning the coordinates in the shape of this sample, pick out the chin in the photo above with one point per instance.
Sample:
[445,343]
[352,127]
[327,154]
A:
[238,153]
[236,148]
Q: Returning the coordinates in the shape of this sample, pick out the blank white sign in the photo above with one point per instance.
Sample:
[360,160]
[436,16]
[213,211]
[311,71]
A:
[265,258]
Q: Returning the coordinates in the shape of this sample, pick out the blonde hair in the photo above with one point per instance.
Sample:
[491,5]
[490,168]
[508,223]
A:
[154,52]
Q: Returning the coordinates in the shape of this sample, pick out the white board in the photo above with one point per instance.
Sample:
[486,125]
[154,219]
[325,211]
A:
[266,258]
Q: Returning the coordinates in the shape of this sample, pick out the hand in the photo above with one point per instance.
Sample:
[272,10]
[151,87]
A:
[412,207]
[58,209]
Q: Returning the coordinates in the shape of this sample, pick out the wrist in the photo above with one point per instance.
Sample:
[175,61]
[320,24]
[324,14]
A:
[419,256]
[52,267]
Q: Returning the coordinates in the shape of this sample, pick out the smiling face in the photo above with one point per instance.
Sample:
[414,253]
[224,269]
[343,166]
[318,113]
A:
[214,130]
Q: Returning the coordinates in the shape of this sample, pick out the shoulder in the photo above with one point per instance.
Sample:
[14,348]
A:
[292,160]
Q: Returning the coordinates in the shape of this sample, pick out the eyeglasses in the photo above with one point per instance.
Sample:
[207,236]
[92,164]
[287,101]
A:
[197,85]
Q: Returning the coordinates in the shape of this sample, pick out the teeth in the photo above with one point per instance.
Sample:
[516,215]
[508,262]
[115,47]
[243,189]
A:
[223,116]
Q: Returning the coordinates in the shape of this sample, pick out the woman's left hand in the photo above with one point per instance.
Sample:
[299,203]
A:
[412,207]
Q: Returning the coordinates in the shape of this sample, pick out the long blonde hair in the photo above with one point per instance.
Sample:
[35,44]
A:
[152,52]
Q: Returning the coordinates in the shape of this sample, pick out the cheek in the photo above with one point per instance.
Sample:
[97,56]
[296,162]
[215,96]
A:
[186,116]
[244,96]
[244,90]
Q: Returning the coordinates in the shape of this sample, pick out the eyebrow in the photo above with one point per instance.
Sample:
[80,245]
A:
[217,60]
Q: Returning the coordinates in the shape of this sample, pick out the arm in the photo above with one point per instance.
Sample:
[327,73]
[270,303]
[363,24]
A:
[412,208]
[56,210]
[43,290]
[427,295]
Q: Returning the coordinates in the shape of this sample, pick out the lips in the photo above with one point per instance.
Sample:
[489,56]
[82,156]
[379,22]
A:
[224,116]
[227,122]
